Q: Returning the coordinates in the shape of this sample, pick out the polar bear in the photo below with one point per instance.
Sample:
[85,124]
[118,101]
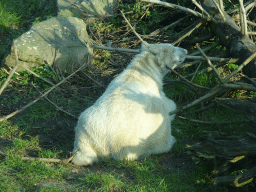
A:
[131,119]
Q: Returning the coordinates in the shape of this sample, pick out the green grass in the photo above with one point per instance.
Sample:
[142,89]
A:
[18,15]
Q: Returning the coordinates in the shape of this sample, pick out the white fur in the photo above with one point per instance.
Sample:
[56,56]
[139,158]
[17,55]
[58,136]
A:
[131,120]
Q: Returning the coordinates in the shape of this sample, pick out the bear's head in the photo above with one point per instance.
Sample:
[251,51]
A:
[166,54]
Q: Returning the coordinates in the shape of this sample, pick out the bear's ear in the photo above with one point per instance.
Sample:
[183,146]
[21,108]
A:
[143,47]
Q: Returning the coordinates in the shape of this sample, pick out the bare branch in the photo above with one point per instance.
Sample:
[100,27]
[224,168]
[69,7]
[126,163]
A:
[251,23]
[221,5]
[241,86]
[250,6]
[212,122]
[183,78]
[210,63]
[49,82]
[135,51]
[210,47]
[47,92]
[166,27]
[17,63]
[243,19]
[220,10]
[240,67]
[136,33]
[188,33]
[204,11]
[176,7]
[212,92]
[227,60]
[60,109]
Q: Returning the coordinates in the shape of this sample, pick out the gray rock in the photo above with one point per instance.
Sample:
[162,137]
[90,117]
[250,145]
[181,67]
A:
[67,8]
[59,41]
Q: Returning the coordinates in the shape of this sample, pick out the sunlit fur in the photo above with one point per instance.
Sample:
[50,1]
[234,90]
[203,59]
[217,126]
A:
[130,120]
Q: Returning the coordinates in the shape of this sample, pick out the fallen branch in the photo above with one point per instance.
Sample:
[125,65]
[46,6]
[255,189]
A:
[242,87]
[47,160]
[136,51]
[188,33]
[60,109]
[240,67]
[47,92]
[13,70]
[212,92]
[251,23]
[166,27]
[212,122]
[183,78]
[220,10]
[209,62]
[204,11]
[243,19]
[190,11]
[210,47]
[45,80]
[136,33]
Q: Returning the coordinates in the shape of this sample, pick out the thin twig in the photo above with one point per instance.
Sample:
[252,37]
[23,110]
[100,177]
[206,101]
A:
[243,87]
[136,51]
[17,63]
[93,79]
[210,63]
[183,82]
[188,33]
[252,81]
[212,122]
[54,103]
[220,10]
[49,82]
[136,33]
[174,6]
[47,92]
[183,78]
[196,71]
[227,60]
[251,33]
[243,19]
[250,6]
[204,11]
[210,47]
[212,92]
[251,23]
[167,27]
[240,67]
[237,8]
[221,5]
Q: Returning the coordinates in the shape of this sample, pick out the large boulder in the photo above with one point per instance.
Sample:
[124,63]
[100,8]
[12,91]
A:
[77,8]
[59,41]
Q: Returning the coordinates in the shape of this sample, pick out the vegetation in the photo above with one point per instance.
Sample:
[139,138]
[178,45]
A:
[47,132]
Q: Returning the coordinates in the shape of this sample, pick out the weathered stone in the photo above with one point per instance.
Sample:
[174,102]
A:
[59,41]
[67,8]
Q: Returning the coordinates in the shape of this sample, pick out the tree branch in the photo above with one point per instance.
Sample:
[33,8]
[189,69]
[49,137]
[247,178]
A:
[17,63]
[188,33]
[190,11]
[243,19]
[210,63]
[47,92]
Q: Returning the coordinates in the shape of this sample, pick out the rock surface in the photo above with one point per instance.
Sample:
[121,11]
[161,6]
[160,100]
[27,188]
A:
[67,8]
[59,41]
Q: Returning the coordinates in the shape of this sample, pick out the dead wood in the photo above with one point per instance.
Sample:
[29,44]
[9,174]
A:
[238,45]
[230,154]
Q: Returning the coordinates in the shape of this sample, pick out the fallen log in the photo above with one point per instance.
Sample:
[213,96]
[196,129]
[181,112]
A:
[239,46]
